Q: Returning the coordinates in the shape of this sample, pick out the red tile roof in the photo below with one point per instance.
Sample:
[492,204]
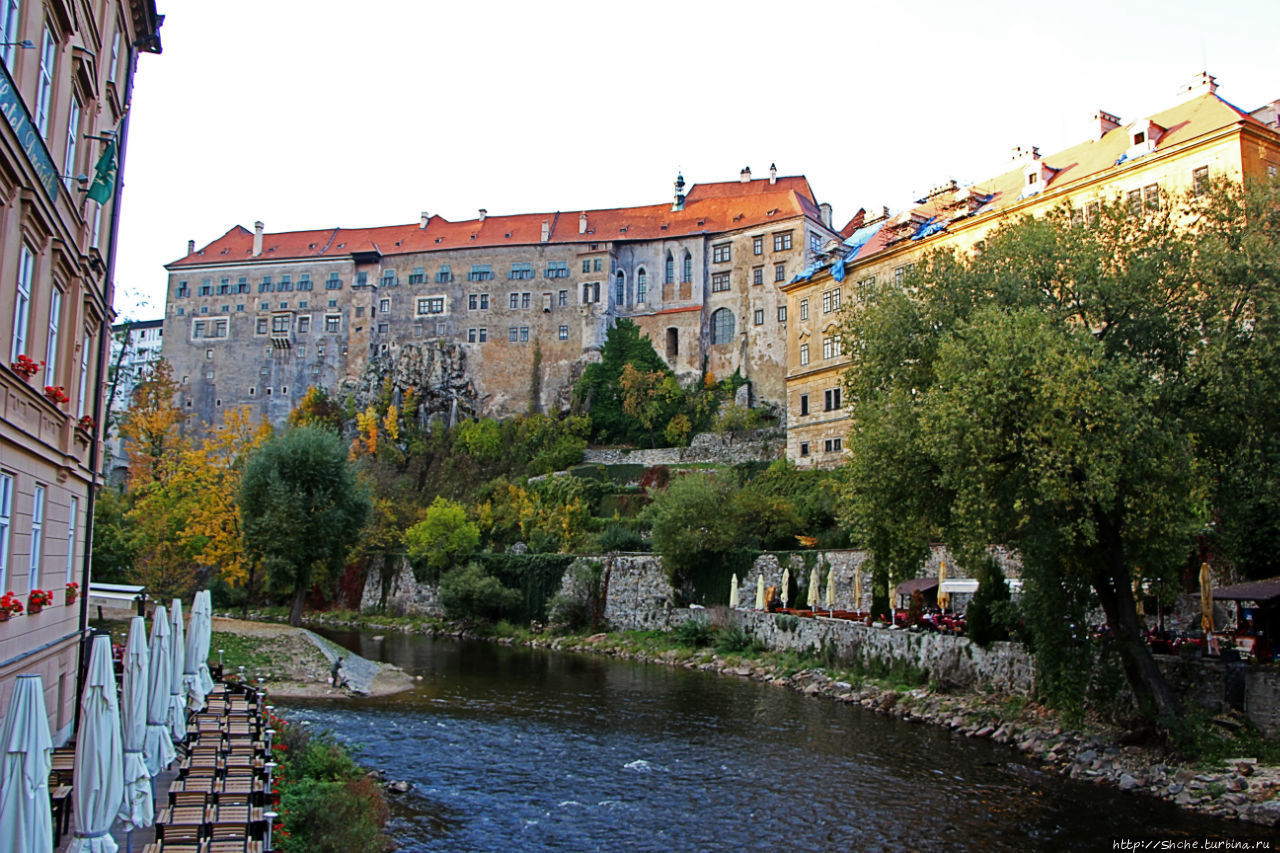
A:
[709,208]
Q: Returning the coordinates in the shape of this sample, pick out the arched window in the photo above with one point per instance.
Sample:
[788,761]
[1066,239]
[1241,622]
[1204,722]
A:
[669,272]
[688,267]
[620,290]
[642,285]
[722,324]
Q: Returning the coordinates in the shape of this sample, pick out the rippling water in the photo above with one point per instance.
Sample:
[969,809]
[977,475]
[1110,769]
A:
[517,749]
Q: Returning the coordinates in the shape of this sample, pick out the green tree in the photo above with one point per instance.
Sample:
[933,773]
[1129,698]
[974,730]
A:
[301,509]
[1048,394]
[600,388]
[648,397]
[443,538]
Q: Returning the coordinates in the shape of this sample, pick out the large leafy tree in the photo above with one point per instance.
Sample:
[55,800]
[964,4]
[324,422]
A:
[600,387]
[1060,392]
[301,509]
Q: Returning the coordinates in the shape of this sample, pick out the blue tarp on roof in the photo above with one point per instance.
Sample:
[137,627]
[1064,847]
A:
[933,226]
[859,239]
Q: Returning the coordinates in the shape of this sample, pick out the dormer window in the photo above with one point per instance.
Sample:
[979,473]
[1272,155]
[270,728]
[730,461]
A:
[1032,177]
[1140,137]
[1144,135]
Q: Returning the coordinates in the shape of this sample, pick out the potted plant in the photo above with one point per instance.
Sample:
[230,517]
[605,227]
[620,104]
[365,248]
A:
[86,423]
[73,590]
[26,367]
[56,393]
[9,606]
[38,600]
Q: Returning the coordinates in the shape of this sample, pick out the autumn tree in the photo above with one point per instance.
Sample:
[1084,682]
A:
[152,426]
[443,538]
[600,389]
[649,397]
[301,508]
[1052,394]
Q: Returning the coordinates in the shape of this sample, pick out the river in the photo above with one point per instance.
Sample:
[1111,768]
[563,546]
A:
[510,748]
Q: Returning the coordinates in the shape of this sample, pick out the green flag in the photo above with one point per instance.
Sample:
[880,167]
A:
[104,179]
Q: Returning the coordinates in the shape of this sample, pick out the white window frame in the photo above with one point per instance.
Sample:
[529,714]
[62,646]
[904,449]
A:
[22,302]
[85,348]
[73,511]
[115,58]
[51,347]
[37,534]
[73,137]
[6,524]
[9,33]
[44,90]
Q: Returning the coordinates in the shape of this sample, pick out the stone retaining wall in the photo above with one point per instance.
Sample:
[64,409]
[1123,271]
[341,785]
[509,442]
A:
[404,595]
[708,447]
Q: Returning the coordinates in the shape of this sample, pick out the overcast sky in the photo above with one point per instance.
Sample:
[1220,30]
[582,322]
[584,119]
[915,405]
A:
[318,114]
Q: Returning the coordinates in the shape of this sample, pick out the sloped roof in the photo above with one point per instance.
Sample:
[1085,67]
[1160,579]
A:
[1182,123]
[1263,592]
[708,208]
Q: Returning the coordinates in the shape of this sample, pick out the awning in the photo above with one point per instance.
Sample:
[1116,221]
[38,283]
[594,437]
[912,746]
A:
[969,586]
[910,587]
[1263,592]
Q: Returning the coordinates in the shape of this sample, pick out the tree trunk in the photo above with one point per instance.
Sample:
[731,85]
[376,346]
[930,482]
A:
[1111,580]
[295,612]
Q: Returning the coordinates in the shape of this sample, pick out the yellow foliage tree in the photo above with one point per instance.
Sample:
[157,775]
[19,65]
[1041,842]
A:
[210,478]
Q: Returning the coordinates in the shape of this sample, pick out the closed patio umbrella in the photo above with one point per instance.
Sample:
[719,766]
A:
[99,764]
[786,582]
[831,590]
[1206,599]
[177,714]
[944,598]
[760,591]
[733,591]
[157,746]
[137,809]
[857,590]
[196,681]
[815,596]
[26,817]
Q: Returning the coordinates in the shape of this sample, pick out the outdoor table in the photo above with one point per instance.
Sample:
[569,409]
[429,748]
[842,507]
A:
[60,805]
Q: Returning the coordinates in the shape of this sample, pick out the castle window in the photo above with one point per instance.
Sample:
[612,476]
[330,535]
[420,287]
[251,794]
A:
[722,326]
[562,298]
[758,316]
[782,242]
[389,278]
[757,245]
[183,290]
[833,445]
[431,305]
[1199,181]
[304,281]
[242,284]
[620,289]
[804,354]
[669,270]
[480,272]
[206,287]
[830,301]
[782,313]
[719,282]
[286,284]
[831,399]
[265,286]
[720,253]
[804,404]
[304,325]
[444,275]
[642,285]
[384,305]
[564,333]
[418,276]
[520,271]
[780,272]
[332,323]
[556,269]
[686,273]
[757,275]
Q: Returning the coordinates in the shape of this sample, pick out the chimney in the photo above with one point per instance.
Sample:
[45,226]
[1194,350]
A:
[773,173]
[483,214]
[582,222]
[257,238]
[191,247]
[745,175]
[546,230]
[678,204]
[826,213]
[1203,83]
[426,217]
[1024,155]
[1103,123]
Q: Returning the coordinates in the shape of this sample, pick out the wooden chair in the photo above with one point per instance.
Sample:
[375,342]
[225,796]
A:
[188,798]
[60,806]
[229,831]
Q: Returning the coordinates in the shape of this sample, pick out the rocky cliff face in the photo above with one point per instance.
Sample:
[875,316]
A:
[435,371]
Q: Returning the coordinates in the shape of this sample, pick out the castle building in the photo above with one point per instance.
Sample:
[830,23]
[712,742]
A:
[1143,162]
[496,315]
[66,75]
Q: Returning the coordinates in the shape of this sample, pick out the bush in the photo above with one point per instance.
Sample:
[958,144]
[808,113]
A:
[618,538]
[441,539]
[735,418]
[734,639]
[982,623]
[694,632]
[469,593]
[582,605]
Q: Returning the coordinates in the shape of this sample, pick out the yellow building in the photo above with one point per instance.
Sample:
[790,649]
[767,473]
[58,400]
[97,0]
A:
[1177,150]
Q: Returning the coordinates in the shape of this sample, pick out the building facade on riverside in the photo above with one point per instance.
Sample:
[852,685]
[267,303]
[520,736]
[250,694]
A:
[134,346]
[1144,162]
[66,72]
[512,306]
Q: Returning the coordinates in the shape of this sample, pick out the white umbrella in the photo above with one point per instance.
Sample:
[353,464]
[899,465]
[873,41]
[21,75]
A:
[177,716]
[831,590]
[99,764]
[786,582]
[137,808]
[157,745]
[814,595]
[760,602]
[205,605]
[26,818]
[733,591]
